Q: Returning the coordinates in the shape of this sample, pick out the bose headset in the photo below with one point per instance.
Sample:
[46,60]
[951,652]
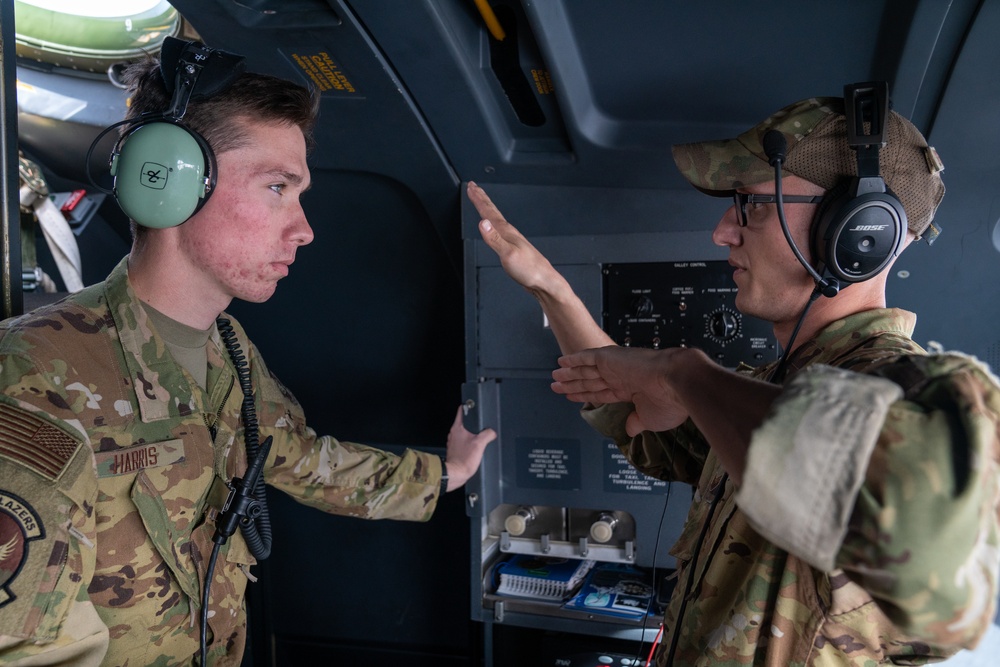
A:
[163,170]
[860,225]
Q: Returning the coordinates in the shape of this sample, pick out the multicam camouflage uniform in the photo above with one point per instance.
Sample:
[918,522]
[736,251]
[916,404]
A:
[865,529]
[113,468]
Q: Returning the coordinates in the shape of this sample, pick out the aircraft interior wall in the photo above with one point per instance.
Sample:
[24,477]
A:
[398,313]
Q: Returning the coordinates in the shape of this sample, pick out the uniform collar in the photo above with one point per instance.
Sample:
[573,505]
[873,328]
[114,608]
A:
[163,390]
[846,334]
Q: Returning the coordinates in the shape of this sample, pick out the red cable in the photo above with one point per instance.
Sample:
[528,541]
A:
[652,648]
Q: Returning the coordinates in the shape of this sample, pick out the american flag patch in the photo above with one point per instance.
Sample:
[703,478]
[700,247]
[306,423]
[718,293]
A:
[35,443]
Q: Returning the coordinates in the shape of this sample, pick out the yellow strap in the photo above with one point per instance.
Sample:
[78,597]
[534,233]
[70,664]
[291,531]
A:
[492,24]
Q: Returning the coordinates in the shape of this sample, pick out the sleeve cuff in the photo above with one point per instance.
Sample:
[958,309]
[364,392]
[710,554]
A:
[609,419]
[808,459]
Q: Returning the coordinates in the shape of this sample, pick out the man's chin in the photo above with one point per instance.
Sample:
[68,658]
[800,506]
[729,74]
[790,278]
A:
[743,303]
[259,296]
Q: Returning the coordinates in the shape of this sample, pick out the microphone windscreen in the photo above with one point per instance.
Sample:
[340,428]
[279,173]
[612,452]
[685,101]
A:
[774,146]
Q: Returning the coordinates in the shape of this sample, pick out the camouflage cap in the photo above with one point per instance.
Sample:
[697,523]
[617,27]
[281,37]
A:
[816,132]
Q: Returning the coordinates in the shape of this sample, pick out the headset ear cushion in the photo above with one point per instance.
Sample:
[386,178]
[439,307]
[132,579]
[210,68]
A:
[162,174]
[856,236]
[827,212]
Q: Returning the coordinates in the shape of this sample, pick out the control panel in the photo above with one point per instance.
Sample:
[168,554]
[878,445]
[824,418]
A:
[683,304]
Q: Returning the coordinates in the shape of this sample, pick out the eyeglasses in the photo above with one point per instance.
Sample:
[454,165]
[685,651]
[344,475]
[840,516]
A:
[743,198]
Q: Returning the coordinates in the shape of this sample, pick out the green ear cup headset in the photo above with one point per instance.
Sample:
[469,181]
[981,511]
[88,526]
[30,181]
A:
[163,174]
[164,171]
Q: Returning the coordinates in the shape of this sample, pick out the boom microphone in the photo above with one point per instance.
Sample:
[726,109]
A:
[774,147]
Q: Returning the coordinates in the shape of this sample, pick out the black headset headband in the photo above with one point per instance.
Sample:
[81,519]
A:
[867,103]
[192,71]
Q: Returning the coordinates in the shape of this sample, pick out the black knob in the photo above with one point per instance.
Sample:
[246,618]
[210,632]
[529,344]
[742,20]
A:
[723,325]
[642,306]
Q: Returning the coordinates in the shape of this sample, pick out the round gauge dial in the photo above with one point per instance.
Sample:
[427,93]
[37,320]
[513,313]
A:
[722,325]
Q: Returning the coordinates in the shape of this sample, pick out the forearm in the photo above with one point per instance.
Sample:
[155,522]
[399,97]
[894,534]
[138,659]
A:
[667,388]
[725,406]
[338,476]
[570,321]
[349,478]
[677,455]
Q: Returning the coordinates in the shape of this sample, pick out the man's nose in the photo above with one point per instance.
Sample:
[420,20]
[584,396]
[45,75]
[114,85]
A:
[302,232]
[727,231]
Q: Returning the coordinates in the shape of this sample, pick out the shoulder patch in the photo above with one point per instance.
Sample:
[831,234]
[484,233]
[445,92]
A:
[914,372]
[34,442]
[19,524]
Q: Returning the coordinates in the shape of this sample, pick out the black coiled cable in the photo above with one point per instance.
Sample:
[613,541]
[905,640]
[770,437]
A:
[256,525]
[257,533]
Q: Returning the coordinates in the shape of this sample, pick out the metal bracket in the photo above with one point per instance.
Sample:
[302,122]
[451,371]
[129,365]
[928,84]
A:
[498,609]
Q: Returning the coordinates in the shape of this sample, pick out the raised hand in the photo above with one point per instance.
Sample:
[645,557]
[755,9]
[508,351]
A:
[570,321]
[519,258]
[619,374]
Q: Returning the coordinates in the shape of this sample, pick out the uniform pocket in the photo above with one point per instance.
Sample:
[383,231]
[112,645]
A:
[169,532]
[229,581]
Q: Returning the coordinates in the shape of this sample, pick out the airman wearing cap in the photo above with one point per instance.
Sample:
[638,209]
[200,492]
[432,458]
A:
[844,510]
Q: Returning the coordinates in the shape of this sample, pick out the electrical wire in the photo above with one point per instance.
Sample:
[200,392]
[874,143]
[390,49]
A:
[257,533]
[204,604]
[675,633]
[779,373]
[656,549]
[256,527]
[492,23]
[652,649]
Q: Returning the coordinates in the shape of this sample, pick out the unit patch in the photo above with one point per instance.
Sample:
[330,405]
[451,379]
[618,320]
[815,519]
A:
[19,524]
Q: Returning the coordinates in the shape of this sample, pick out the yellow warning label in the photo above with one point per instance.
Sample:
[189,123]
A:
[543,81]
[324,72]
